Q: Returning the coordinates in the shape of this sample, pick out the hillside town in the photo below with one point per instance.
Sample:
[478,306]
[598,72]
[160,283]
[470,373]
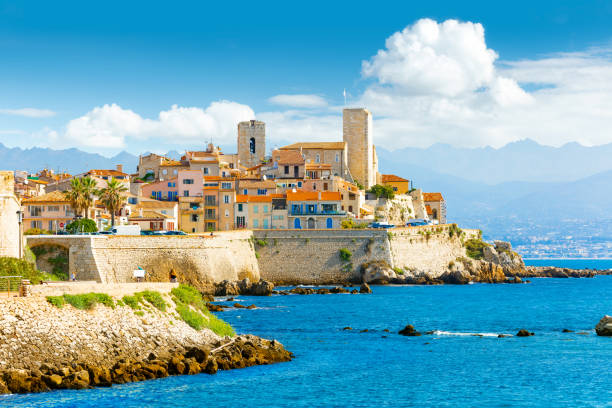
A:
[304,185]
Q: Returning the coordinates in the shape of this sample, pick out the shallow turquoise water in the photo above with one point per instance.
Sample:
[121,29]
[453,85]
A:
[340,368]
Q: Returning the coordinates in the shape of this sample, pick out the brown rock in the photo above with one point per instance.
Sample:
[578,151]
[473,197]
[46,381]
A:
[524,333]
[365,288]
[409,331]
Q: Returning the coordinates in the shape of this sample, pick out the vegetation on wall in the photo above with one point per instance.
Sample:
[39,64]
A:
[474,248]
[19,267]
[349,223]
[36,231]
[192,309]
[382,191]
[345,254]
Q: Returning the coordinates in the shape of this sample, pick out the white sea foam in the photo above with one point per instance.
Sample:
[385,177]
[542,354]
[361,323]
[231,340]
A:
[448,333]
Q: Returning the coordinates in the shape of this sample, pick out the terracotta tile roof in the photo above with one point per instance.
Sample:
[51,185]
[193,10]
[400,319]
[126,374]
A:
[313,196]
[287,157]
[148,204]
[428,209]
[245,183]
[318,166]
[171,163]
[52,197]
[154,215]
[315,145]
[387,178]
[98,172]
[433,197]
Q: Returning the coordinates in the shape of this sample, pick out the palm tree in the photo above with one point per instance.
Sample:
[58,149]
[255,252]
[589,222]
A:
[112,197]
[74,195]
[89,189]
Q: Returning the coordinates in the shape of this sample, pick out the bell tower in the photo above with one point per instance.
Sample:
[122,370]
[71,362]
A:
[251,142]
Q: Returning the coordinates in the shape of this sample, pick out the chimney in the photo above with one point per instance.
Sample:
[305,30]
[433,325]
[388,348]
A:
[120,168]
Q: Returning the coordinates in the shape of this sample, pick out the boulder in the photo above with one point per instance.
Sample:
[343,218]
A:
[409,331]
[262,288]
[365,288]
[490,254]
[239,306]
[377,272]
[227,288]
[604,327]
[524,333]
[244,286]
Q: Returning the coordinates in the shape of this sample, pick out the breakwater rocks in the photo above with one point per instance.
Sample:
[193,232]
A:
[43,347]
[554,272]
[300,290]
[604,327]
[243,287]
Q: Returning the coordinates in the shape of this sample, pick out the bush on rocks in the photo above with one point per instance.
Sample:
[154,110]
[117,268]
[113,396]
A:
[85,301]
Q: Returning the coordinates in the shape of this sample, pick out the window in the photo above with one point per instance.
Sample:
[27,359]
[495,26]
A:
[171,184]
[227,213]
[193,230]
[164,171]
[245,191]
[210,200]
[255,209]
[51,226]
[325,186]
[210,226]
[186,193]
[210,213]
[337,157]
[286,169]
[261,191]
[252,145]
[255,223]
[226,186]
[226,199]
[299,184]
[53,208]
[187,181]
[265,223]
[394,188]
[240,222]
[36,224]
[195,217]
[265,208]
[312,208]
[164,211]
[240,207]
[194,206]
[175,172]
[205,170]
[318,158]
[350,208]
[35,211]
[314,186]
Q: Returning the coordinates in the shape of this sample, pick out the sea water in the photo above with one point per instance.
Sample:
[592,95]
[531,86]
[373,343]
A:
[454,367]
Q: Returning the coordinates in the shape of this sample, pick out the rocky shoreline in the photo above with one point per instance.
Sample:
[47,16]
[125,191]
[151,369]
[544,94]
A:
[43,347]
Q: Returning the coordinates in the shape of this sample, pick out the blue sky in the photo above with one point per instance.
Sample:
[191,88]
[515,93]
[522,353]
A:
[67,59]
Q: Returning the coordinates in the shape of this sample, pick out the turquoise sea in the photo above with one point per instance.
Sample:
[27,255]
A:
[340,368]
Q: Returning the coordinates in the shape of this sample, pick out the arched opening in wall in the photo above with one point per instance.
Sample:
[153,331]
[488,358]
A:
[434,213]
[53,260]
[172,276]
[252,145]
[311,223]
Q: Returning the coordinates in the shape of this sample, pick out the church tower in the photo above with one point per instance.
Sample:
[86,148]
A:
[357,133]
[251,142]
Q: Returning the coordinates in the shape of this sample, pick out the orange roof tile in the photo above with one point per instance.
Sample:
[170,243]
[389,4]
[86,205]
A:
[100,172]
[246,183]
[315,145]
[313,196]
[52,197]
[286,157]
[428,209]
[433,197]
[318,166]
[387,178]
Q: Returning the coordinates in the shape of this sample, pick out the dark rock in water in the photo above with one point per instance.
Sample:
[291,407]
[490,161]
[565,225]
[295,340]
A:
[252,307]
[215,308]
[338,289]
[347,328]
[302,291]
[604,327]
[567,331]
[283,293]
[429,332]
[323,291]
[226,288]
[502,336]
[229,299]
[409,331]
[354,292]
[244,287]
[261,288]
[384,337]
[239,306]
[524,333]
[364,331]
[386,330]
[365,288]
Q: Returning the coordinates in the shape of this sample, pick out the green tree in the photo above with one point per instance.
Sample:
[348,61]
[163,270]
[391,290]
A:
[89,189]
[382,191]
[112,197]
[74,195]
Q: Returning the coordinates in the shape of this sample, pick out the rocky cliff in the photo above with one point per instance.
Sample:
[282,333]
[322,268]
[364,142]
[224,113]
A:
[45,347]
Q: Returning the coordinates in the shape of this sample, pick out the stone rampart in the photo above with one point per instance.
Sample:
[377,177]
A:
[198,259]
[313,256]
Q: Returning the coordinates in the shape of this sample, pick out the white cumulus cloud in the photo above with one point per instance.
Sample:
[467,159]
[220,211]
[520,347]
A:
[299,101]
[109,126]
[28,112]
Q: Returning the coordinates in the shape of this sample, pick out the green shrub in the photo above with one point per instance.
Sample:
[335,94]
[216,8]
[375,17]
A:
[82,225]
[154,298]
[261,242]
[139,313]
[36,231]
[185,296]
[219,326]
[474,248]
[57,301]
[191,317]
[345,254]
[349,223]
[18,267]
[399,271]
[87,301]
[382,191]
[131,301]
[190,296]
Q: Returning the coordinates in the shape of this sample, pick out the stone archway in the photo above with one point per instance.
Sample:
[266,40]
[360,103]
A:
[53,260]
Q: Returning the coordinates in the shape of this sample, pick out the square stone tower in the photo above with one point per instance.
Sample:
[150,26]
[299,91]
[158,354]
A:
[357,133]
[251,142]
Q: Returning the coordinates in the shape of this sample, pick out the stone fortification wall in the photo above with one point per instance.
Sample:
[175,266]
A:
[9,205]
[313,256]
[198,259]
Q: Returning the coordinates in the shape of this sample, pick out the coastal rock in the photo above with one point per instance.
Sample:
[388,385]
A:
[409,331]
[214,307]
[524,333]
[302,291]
[378,272]
[244,287]
[604,327]
[261,288]
[365,288]
[227,288]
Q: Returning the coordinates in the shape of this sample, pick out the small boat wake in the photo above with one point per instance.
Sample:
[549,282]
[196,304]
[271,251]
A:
[448,333]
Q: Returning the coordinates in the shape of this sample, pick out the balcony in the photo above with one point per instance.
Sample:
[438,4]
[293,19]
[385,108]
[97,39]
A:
[210,216]
[322,213]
